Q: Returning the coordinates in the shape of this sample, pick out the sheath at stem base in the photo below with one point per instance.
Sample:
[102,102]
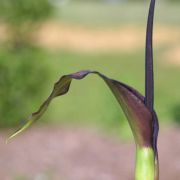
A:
[145,167]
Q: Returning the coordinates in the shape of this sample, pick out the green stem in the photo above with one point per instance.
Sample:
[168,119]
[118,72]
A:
[145,166]
[156,168]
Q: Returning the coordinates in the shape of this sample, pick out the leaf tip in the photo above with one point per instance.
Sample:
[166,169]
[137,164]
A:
[23,128]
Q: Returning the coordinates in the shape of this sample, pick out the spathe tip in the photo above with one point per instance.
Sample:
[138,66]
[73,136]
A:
[18,132]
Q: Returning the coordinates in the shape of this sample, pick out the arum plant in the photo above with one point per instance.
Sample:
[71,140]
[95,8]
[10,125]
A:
[138,109]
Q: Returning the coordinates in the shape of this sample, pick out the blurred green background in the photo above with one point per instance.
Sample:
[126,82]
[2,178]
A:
[42,40]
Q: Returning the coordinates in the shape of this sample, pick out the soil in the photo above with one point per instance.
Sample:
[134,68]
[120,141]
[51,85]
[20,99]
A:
[125,38]
[56,153]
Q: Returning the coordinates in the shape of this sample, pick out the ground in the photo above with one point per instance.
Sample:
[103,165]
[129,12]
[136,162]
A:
[128,38]
[56,153]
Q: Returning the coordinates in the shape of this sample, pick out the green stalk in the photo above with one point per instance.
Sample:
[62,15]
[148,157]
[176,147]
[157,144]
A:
[145,167]
[156,168]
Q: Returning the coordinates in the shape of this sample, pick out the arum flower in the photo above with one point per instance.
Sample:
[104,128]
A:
[138,109]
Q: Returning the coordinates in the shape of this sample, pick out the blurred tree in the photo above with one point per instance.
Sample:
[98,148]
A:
[176,113]
[23,66]
[22,16]
[23,80]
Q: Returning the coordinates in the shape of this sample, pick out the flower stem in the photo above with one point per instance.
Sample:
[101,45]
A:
[145,167]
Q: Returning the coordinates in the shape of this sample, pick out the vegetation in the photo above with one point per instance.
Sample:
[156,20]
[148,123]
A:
[111,16]
[22,75]
[23,67]
[22,17]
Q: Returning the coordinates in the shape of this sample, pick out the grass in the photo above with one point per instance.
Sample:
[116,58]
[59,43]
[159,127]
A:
[91,102]
[93,14]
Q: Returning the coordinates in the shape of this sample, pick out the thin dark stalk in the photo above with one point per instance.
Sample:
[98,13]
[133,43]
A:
[149,77]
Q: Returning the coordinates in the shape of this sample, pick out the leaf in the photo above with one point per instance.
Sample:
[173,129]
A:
[130,100]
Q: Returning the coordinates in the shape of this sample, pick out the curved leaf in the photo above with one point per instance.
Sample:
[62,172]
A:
[131,101]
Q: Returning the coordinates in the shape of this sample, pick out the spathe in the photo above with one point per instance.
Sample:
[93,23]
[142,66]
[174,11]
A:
[140,118]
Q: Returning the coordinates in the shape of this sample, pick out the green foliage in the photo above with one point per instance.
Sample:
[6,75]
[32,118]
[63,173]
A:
[21,11]
[176,113]
[22,16]
[23,77]
[176,1]
[116,15]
